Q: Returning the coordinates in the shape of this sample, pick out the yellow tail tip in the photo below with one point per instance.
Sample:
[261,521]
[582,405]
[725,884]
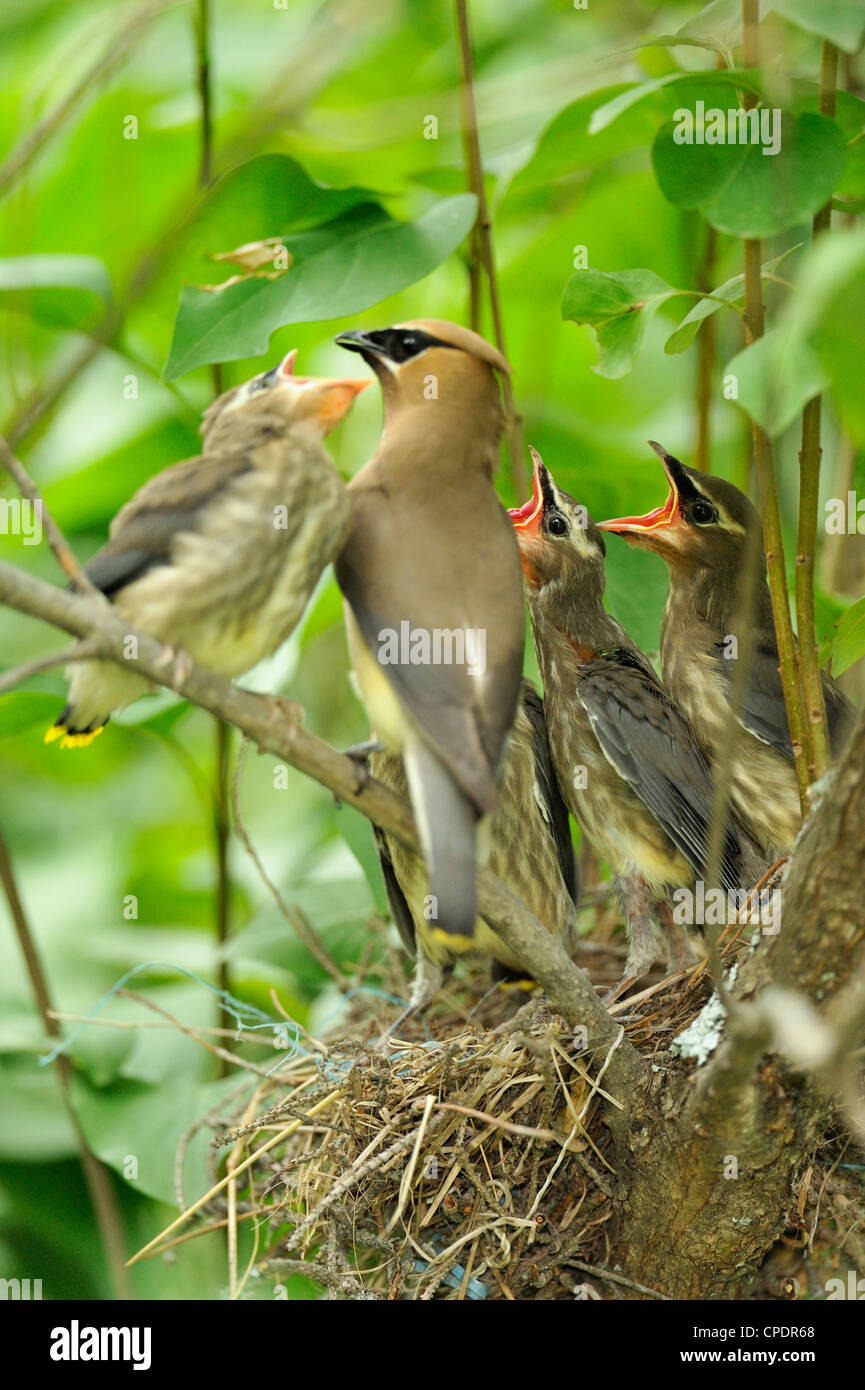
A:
[68,740]
[455,942]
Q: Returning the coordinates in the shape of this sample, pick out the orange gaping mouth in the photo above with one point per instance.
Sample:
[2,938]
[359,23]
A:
[530,513]
[651,521]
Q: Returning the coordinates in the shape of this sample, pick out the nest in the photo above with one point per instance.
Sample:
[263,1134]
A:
[468,1160]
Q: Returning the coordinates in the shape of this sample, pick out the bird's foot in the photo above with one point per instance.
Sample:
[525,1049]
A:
[360,754]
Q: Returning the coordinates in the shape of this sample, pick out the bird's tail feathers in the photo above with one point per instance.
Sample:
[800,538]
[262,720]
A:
[70,736]
[447,823]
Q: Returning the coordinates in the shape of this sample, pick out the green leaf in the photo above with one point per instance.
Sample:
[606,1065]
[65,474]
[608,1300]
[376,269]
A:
[732,290]
[836,336]
[850,118]
[618,307]
[840,21]
[717,28]
[677,89]
[848,645]
[776,375]
[66,291]
[342,269]
[566,147]
[742,190]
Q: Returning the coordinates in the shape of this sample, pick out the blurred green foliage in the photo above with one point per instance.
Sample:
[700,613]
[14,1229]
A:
[337,126]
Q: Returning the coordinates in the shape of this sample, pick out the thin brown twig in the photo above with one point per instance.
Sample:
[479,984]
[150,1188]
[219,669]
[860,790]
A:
[765,470]
[296,919]
[809,498]
[230,1057]
[17,674]
[610,1277]
[55,537]
[202,53]
[706,358]
[103,1198]
[482,243]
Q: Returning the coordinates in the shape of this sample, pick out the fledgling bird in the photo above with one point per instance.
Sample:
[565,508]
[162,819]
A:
[530,849]
[431,579]
[627,762]
[218,555]
[702,533]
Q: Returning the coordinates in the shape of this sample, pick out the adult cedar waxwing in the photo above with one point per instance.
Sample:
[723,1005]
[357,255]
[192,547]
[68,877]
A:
[218,555]
[431,579]
[530,850]
[701,531]
[629,768]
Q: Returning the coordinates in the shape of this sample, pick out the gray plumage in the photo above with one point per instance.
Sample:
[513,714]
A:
[629,766]
[702,532]
[431,548]
[529,848]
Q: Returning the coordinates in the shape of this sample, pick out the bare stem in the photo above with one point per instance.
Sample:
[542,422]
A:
[202,54]
[482,244]
[28,489]
[706,359]
[809,497]
[296,919]
[222,751]
[103,1198]
[764,467]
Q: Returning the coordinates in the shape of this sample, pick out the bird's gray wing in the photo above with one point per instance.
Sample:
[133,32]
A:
[764,712]
[143,531]
[556,811]
[646,739]
[397,901]
[840,715]
[463,719]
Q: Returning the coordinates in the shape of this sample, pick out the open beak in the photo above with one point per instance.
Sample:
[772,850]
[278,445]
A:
[286,366]
[657,521]
[527,519]
[330,399]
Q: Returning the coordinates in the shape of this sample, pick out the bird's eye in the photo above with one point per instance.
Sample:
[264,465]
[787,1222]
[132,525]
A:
[261,383]
[409,342]
[702,512]
[557,526]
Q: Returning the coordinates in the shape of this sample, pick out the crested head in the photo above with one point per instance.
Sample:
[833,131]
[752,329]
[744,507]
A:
[274,402]
[704,523]
[561,548]
[440,367]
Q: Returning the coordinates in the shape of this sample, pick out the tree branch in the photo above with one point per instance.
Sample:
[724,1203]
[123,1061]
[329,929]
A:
[274,724]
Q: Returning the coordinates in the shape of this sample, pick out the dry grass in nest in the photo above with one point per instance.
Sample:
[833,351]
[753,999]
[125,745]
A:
[470,1161]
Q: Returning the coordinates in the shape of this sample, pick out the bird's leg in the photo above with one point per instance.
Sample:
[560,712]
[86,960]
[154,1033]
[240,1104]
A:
[426,983]
[680,953]
[361,751]
[360,754]
[643,945]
